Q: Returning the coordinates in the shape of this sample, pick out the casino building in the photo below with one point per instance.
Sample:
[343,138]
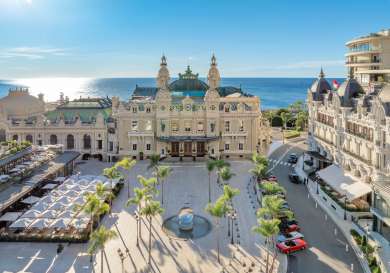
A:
[186,117]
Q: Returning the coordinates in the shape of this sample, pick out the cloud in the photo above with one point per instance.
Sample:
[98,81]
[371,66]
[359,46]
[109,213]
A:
[32,53]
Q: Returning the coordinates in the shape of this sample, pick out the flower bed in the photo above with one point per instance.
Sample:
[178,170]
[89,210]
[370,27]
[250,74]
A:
[291,134]
[367,249]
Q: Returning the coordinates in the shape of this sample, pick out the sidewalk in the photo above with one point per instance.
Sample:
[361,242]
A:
[343,225]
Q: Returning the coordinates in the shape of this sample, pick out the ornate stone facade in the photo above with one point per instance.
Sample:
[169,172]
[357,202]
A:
[181,118]
[189,118]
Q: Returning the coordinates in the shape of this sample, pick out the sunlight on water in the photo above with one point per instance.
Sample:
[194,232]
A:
[51,87]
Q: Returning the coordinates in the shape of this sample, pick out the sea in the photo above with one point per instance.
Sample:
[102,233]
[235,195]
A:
[274,93]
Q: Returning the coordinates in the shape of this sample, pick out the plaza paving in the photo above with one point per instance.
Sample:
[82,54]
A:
[187,183]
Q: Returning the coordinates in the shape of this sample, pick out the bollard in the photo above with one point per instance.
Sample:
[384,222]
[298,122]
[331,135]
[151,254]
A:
[352,267]
[308,196]
[346,248]
[326,217]
[316,205]
[335,231]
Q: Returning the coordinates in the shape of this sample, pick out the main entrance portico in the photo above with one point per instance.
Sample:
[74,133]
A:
[187,146]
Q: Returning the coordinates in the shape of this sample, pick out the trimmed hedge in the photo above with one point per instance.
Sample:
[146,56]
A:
[291,134]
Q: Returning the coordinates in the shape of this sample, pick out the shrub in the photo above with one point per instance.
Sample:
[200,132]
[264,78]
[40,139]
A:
[277,121]
[291,134]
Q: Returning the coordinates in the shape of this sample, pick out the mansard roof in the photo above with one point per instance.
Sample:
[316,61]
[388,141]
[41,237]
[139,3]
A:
[349,90]
[320,86]
[145,91]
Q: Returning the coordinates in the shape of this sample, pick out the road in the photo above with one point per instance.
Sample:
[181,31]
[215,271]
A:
[327,251]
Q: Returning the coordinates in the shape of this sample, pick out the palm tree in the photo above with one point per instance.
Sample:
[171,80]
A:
[154,161]
[219,164]
[268,229]
[217,211]
[272,207]
[210,165]
[126,164]
[139,197]
[93,206]
[225,174]
[259,159]
[104,193]
[97,241]
[285,116]
[149,184]
[150,210]
[161,174]
[271,188]
[229,192]
[259,171]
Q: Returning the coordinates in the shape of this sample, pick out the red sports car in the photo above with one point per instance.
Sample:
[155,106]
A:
[291,246]
[287,227]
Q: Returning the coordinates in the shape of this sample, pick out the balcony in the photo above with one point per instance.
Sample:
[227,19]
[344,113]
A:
[359,135]
[360,158]
[324,140]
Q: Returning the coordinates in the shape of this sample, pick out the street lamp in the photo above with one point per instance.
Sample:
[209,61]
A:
[137,219]
[122,257]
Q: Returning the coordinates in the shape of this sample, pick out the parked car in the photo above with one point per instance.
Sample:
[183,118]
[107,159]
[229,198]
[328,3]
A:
[294,177]
[292,158]
[289,236]
[285,206]
[288,226]
[291,246]
[272,178]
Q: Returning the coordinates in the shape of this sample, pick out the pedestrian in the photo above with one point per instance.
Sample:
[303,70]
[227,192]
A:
[60,247]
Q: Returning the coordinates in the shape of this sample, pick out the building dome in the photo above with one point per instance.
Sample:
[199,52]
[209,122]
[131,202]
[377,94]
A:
[320,86]
[188,82]
[20,104]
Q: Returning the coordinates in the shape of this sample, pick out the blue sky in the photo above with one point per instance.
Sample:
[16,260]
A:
[125,38]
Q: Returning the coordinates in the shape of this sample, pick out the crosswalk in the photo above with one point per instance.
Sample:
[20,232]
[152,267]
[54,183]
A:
[274,162]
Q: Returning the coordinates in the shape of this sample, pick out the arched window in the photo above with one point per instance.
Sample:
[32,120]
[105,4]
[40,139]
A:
[29,138]
[70,142]
[87,142]
[53,139]
[15,137]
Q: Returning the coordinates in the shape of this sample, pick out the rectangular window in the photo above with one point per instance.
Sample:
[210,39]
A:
[134,109]
[148,125]
[134,147]
[227,126]
[141,107]
[134,125]
[212,127]
[175,126]
[241,146]
[187,126]
[111,146]
[148,146]
[200,126]
[100,144]
[147,109]
[227,146]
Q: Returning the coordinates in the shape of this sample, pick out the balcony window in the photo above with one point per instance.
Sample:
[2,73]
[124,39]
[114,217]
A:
[134,126]
[241,125]
[175,126]
[148,146]
[134,147]
[134,109]
[111,146]
[148,125]
[200,126]
[187,126]
[227,146]
[241,146]
[227,126]
[212,127]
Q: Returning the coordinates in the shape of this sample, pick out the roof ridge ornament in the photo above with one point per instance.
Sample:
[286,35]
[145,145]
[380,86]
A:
[163,60]
[322,74]
[213,60]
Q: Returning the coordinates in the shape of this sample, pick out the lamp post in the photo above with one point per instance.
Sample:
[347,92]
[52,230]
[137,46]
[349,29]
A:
[318,191]
[345,207]
[137,219]
[228,221]
[122,257]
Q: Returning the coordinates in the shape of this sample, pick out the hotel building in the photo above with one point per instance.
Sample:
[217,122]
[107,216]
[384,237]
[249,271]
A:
[186,117]
[350,126]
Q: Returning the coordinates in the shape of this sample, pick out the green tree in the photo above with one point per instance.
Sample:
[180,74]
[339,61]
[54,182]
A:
[259,159]
[271,188]
[150,210]
[210,165]
[301,121]
[259,171]
[297,106]
[272,207]
[217,211]
[229,192]
[154,161]
[268,229]
[286,116]
[126,164]
[225,174]
[219,164]
[97,241]
[162,174]
[93,206]
[105,193]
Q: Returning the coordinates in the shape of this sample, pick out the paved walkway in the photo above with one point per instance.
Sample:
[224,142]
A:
[344,225]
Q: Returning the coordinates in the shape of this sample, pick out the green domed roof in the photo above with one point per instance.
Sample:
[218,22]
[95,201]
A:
[188,82]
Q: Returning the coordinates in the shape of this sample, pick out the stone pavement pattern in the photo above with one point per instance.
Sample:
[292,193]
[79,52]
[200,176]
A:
[169,255]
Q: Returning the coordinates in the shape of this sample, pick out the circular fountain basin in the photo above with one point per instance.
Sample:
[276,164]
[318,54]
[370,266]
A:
[200,227]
